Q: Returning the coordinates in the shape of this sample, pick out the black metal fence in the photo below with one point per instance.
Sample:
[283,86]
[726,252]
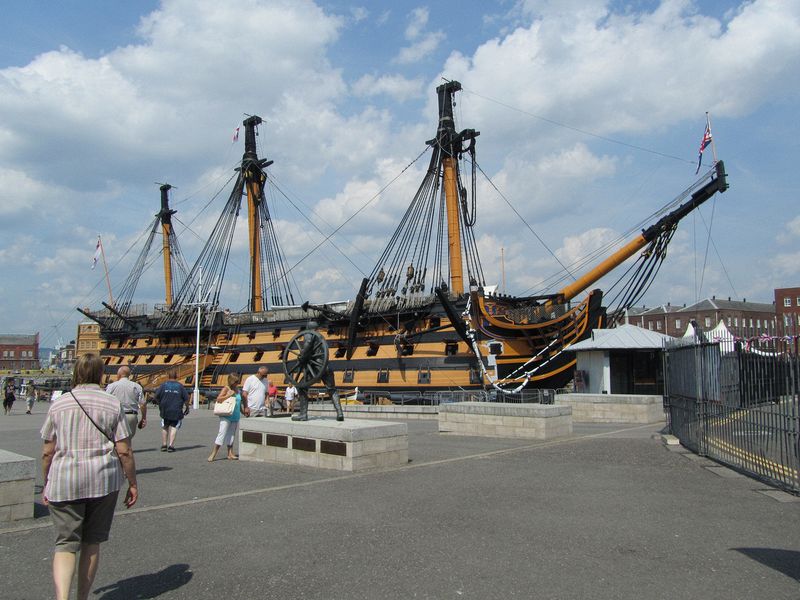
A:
[737,403]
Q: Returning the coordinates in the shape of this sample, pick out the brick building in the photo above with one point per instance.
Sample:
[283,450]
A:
[743,319]
[787,310]
[19,352]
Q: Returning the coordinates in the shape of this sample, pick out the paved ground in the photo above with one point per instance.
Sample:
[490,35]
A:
[608,513]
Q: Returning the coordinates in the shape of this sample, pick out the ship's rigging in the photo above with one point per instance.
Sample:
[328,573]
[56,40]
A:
[424,312]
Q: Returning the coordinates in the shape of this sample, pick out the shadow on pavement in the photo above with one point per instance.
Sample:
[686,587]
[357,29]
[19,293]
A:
[152,470]
[177,448]
[151,585]
[784,561]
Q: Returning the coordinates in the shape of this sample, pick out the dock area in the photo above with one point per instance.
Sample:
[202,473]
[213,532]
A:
[609,511]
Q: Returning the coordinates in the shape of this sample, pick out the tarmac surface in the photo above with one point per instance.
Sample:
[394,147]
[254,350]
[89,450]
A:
[610,512]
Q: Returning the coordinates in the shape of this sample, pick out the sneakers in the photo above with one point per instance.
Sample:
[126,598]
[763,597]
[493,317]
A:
[163,448]
[171,449]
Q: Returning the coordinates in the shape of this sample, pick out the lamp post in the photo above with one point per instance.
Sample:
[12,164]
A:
[200,304]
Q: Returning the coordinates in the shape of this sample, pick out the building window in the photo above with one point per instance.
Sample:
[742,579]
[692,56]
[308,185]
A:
[10,354]
[787,302]
[677,323]
[797,300]
[736,321]
[707,322]
[658,325]
[650,325]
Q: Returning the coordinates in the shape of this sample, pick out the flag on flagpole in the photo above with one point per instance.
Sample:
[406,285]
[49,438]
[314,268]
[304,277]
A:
[97,252]
[703,145]
[235,135]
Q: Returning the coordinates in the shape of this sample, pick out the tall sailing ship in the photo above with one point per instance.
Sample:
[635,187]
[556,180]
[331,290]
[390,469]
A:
[423,321]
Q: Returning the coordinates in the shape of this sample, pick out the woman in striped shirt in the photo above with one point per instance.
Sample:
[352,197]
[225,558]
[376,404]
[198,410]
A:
[86,453]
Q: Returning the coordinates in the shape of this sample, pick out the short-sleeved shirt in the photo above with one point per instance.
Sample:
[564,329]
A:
[171,397]
[290,393]
[256,391]
[84,464]
[128,392]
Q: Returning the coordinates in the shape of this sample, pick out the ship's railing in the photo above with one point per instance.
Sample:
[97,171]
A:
[397,303]
[543,396]
[283,313]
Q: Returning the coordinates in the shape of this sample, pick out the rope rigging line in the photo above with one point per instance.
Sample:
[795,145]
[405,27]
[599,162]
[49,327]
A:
[516,212]
[579,130]
[356,213]
[548,283]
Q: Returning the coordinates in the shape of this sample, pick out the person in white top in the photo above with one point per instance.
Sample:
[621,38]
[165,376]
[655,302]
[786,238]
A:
[289,395]
[254,393]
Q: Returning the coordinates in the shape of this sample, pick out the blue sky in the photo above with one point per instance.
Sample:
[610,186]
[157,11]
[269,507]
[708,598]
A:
[99,100]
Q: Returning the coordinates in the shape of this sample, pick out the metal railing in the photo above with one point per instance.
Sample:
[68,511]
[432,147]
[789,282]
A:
[444,397]
[737,403]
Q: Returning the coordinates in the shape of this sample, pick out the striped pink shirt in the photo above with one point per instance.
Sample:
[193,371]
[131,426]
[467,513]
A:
[84,464]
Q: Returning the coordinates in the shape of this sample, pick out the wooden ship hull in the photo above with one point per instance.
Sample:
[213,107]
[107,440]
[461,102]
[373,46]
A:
[421,325]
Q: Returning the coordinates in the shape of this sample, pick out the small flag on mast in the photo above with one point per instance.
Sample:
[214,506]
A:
[235,135]
[703,145]
[97,253]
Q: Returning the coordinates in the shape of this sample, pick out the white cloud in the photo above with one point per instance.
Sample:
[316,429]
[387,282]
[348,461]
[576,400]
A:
[359,13]
[610,73]
[423,43]
[396,86]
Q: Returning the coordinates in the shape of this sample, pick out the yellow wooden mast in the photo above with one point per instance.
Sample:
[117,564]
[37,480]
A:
[450,143]
[166,227]
[254,180]
[453,226]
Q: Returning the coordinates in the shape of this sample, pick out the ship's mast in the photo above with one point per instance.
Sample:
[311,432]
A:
[254,181]
[165,217]
[450,143]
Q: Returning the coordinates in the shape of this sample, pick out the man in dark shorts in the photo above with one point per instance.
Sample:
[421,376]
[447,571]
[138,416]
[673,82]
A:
[173,404]
[9,397]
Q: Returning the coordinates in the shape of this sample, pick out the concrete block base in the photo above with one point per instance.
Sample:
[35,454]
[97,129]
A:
[350,445]
[614,408]
[498,419]
[17,474]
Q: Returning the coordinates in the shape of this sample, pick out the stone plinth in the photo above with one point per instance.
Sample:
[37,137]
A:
[499,419]
[17,474]
[614,408]
[350,445]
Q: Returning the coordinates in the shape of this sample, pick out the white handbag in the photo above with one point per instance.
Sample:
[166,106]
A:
[226,407]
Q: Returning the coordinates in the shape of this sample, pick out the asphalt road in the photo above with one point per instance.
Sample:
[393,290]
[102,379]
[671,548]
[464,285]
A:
[608,513]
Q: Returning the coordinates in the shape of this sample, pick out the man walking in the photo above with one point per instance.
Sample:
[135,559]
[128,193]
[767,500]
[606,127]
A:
[130,396]
[173,404]
[254,393]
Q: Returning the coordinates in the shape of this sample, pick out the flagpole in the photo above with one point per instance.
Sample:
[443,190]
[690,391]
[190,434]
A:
[105,268]
[713,145]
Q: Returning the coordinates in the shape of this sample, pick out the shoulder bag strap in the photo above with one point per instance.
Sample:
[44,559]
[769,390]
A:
[108,437]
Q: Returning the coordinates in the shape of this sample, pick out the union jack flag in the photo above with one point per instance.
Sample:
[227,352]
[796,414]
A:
[703,145]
